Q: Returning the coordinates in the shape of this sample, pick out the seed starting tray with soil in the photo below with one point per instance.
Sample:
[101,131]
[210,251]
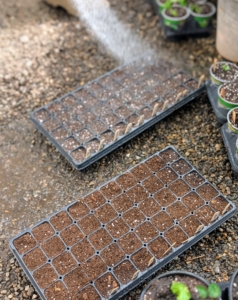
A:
[94,120]
[112,239]
[229,139]
[220,111]
[190,29]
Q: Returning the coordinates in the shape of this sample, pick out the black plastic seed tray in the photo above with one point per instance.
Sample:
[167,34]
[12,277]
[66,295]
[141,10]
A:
[229,139]
[190,29]
[224,288]
[112,239]
[219,110]
[94,120]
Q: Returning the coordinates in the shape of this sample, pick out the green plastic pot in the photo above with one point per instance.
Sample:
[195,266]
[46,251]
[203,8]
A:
[204,20]
[215,79]
[160,5]
[231,127]
[175,22]
[224,102]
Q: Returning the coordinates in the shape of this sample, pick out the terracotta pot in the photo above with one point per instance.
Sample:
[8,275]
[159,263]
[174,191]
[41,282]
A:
[66,4]
[227,33]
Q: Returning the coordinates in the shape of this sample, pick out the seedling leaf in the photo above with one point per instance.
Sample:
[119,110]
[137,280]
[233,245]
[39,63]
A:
[202,291]
[180,290]
[173,12]
[225,67]
[214,291]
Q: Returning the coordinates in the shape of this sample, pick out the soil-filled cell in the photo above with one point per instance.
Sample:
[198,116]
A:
[193,179]
[146,232]
[64,263]
[34,259]
[78,210]
[111,190]
[103,94]
[111,119]
[45,276]
[181,89]
[182,77]
[24,243]
[126,97]
[162,221]
[142,259]
[114,103]
[76,280]
[70,144]
[152,184]
[175,236]
[169,155]
[167,175]
[129,243]
[97,127]
[56,291]
[123,112]
[78,109]
[107,285]
[42,232]
[133,217]
[42,115]
[220,204]
[155,163]
[125,272]
[95,200]
[74,125]
[149,207]
[53,247]
[61,220]
[69,100]
[206,215]
[87,117]
[170,83]
[141,172]
[105,213]
[178,210]
[181,166]
[149,82]
[82,94]
[122,203]
[84,135]
[90,101]
[89,224]
[192,201]
[93,145]
[71,235]
[60,134]
[207,192]
[100,239]
[82,251]
[165,197]
[169,98]
[106,80]
[127,81]
[94,267]
[51,124]
[160,90]
[126,181]
[56,107]
[107,137]
[101,110]
[137,89]
[192,84]
[137,194]
[94,86]
[65,116]
[89,293]
[117,228]
[146,112]
[79,154]
[159,247]
[190,225]
[179,188]
[133,119]
[112,255]
[147,98]
[121,127]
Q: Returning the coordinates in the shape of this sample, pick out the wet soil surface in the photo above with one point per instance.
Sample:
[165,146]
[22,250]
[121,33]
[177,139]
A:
[53,55]
[229,91]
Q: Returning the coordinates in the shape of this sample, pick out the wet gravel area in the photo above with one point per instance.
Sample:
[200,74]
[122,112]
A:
[47,53]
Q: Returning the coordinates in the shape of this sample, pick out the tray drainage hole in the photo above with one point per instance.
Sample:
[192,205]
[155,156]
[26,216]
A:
[163,208]
[192,213]
[132,229]
[119,215]
[147,219]
[168,164]
[193,189]
[60,277]
[108,201]
[144,245]
[179,199]
[154,173]
[75,222]
[91,282]
[97,252]
[91,211]
[57,233]
[67,248]
[139,182]
[151,195]
[161,234]
[180,176]
[103,225]
[49,260]
[115,241]
[176,222]
[127,256]
[124,192]
[109,269]
[207,202]
[135,204]
[165,185]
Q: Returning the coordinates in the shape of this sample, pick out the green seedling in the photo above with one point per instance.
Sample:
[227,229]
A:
[225,67]
[182,292]
[196,8]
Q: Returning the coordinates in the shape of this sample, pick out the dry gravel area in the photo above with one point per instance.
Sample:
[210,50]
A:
[46,53]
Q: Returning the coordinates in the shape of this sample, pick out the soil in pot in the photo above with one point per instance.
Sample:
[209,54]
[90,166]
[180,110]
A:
[202,9]
[160,288]
[180,12]
[229,92]
[235,124]
[225,71]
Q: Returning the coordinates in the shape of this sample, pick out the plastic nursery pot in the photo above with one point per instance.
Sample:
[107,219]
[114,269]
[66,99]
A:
[232,127]
[161,5]
[225,102]
[175,22]
[233,286]
[230,76]
[203,20]
[146,296]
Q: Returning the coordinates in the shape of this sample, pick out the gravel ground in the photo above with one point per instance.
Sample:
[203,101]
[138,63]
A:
[46,53]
